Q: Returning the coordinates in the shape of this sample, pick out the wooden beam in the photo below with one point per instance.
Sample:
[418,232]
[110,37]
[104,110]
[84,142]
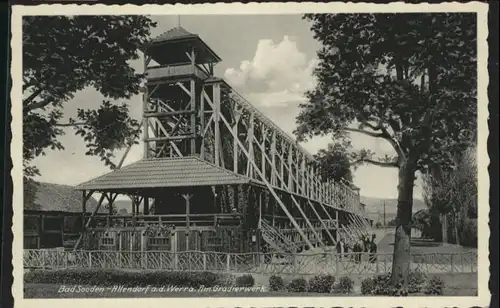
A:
[164,114]
[237,116]
[171,138]
[217,115]
[202,123]
[270,188]
[193,114]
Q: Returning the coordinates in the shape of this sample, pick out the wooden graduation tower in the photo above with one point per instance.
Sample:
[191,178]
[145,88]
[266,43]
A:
[217,174]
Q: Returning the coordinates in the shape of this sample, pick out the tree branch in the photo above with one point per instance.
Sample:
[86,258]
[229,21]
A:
[361,131]
[375,162]
[69,124]
[39,104]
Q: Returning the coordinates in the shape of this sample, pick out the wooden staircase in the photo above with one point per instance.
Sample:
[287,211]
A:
[276,240]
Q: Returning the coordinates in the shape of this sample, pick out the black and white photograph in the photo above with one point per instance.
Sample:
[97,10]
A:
[198,155]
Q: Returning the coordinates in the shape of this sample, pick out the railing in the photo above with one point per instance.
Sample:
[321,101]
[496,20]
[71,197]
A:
[258,263]
[170,219]
[276,239]
[158,72]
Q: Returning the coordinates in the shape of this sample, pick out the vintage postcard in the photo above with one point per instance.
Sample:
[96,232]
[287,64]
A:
[250,155]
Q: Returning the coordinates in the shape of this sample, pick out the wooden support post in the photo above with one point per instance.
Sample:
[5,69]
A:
[308,222]
[145,120]
[187,198]
[273,159]
[270,188]
[84,209]
[193,105]
[263,147]
[290,168]
[235,143]
[250,140]
[321,221]
[202,123]
[216,102]
[282,164]
[146,206]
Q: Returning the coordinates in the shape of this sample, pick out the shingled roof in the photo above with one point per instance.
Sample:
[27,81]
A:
[165,172]
[59,198]
[173,34]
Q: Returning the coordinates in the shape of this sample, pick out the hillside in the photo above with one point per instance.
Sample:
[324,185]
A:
[375,207]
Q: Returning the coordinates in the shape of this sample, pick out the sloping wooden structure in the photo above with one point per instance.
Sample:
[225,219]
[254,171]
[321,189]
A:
[217,174]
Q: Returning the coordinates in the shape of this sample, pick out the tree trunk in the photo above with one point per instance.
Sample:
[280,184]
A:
[444,228]
[455,228]
[402,258]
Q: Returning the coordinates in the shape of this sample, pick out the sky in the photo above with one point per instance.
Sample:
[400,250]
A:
[268,59]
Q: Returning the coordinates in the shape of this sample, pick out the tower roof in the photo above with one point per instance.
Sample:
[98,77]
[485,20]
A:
[173,34]
[179,41]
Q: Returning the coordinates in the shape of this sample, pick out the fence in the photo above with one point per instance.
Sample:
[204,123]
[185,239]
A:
[254,263]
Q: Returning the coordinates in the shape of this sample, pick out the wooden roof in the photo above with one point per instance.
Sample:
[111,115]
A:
[59,198]
[163,173]
[173,34]
[171,46]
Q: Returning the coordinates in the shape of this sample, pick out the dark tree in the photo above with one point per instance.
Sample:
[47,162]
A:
[65,54]
[334,163]
[407,79]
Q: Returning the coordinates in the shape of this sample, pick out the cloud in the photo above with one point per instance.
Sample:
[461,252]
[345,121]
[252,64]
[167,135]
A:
[278,74]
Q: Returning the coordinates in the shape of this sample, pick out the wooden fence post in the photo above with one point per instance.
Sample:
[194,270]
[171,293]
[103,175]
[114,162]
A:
[228,262]
[90,259]
[204,261]
[337,264]
[451,263]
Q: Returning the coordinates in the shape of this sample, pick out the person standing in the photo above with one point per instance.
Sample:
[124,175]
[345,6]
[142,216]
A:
[373,249]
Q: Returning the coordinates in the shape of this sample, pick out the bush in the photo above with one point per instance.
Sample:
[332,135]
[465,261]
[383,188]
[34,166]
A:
[345,285]
[382,285]
[416,280]
[245,281]
[367,286]
[297,285]
[115,277]
[276,283]
[321,283]
[434,286]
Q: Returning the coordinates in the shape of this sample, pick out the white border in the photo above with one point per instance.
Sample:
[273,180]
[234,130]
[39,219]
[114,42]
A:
[253,8]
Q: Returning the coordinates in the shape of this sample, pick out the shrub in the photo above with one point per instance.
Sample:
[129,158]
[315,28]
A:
[276,283]
[297,285]
[128,279]
[345,285]
[416,280]
[321,283]
[434,286]
[367,286]
[245,281]
[382,285]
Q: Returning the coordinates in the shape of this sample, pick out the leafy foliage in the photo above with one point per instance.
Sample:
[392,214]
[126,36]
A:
[407,79]
[276,283]
[116,277]
[452,194]
[321,283]
[434,286]
[245,281]
[383,285]
[345,285]
[297,285]
[367,286]
[65,54]
[334,163]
